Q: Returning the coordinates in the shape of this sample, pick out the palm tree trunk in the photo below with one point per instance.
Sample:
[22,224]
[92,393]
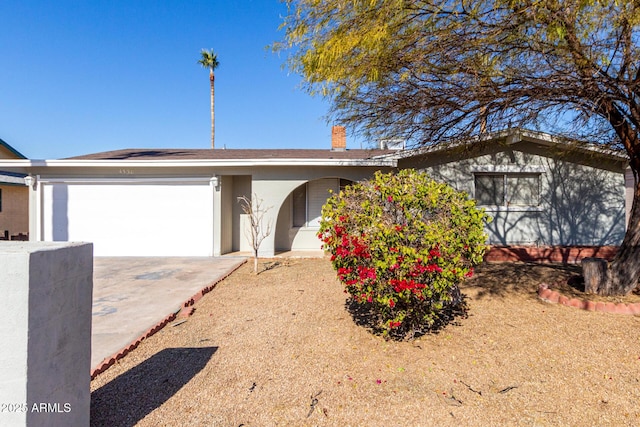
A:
[213,122]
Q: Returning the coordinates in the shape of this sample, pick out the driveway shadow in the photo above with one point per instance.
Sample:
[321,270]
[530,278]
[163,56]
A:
[134,394]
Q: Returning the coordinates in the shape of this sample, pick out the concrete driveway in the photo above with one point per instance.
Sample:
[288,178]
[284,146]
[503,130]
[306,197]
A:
[131,295]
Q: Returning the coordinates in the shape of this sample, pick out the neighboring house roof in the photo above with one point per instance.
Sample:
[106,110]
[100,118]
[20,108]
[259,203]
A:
[11,178]
[11,150]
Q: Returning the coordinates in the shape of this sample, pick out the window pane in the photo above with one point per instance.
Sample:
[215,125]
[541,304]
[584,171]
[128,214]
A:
[489,190]
[299,201]
[318,193]
[523,189]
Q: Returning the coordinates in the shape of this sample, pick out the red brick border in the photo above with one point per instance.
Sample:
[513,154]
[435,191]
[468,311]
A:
[554,297]
[551,254]
[186,310]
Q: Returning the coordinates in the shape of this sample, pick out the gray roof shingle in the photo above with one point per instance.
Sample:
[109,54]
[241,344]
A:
[229,154]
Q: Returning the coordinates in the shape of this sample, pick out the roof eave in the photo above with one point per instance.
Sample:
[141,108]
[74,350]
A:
[372,162]
[512,136]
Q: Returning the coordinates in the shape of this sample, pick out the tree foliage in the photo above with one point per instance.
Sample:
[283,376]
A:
[433,70]
[401,244]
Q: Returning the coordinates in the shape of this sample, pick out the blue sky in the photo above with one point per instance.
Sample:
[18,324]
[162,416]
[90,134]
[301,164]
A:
[79,77]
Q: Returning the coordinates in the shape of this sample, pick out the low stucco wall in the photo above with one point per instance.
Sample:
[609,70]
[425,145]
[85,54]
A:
[45,330]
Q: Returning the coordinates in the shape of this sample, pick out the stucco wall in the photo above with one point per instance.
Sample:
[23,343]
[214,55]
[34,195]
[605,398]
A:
[582,200]
[277,184]
[46,329]
[226,210]
[14,215]
[241,187]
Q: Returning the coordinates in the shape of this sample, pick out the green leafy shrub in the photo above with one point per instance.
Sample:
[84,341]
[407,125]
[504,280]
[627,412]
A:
[401,244]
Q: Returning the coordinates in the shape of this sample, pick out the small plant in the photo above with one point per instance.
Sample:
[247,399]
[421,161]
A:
[401,244]
[257,231]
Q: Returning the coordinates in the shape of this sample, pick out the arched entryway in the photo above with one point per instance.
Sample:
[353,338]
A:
[299,215]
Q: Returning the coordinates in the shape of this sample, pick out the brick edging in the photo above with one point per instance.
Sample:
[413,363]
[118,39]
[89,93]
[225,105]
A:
[548,254]
[554,297]
[186,310]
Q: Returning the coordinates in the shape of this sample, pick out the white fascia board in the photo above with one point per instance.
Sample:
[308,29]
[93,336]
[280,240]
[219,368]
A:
[19,166]
[378,162]
[128,180]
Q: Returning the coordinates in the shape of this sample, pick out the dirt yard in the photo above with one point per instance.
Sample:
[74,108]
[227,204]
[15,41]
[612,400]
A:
[279,349]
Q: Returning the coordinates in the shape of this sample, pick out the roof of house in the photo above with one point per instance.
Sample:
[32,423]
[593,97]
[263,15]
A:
[12,150]
[188,157]
[514,136]
[231,154]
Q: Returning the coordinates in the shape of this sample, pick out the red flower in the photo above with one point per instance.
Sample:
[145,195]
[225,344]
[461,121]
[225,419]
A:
[343,270]
[434,268]
[392,303]
[389,199]
[366,273]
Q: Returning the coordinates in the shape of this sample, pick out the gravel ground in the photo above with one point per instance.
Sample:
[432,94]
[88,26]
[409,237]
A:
[279,349]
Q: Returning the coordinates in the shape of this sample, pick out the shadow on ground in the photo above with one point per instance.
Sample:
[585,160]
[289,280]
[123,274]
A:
[366,315]
[131,396]
[502,279]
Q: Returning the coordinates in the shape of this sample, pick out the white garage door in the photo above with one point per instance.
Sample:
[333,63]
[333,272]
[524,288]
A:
[131,219]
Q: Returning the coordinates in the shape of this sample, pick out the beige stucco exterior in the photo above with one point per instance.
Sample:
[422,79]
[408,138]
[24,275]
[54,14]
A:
[14,213]
[14,199]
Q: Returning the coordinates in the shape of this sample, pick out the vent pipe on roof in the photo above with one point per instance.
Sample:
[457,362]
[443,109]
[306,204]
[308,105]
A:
[338,138]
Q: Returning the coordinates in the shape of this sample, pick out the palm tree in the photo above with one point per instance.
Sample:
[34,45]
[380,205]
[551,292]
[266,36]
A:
[210,60]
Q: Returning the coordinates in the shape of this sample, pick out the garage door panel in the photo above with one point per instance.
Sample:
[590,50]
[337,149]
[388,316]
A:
[132,220]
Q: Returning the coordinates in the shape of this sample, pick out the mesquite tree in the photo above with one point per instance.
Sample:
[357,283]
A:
[432,71]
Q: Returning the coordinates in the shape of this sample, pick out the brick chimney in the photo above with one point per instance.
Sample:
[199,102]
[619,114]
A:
[338,138]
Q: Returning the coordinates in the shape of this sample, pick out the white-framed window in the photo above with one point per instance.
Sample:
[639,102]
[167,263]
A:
[307,200]
[507,189]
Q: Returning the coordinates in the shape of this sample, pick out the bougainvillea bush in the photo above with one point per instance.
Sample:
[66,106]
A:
[401,244]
